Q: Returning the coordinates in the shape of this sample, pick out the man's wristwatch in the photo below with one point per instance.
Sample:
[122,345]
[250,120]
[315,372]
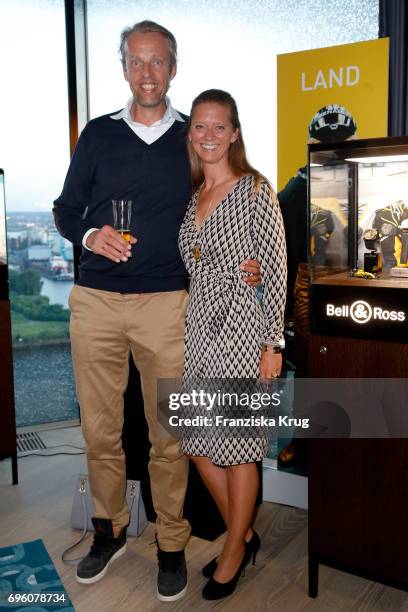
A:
[371,237]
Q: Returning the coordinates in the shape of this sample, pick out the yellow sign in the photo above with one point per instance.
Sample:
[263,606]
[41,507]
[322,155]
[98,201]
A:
[327,95]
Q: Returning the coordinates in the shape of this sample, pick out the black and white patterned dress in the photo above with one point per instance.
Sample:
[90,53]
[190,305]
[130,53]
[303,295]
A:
[226,324]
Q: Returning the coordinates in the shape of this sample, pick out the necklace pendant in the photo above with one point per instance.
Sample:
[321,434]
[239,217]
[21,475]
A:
[196,252]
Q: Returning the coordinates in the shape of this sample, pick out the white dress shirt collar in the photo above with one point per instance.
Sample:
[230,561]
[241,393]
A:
[169,116]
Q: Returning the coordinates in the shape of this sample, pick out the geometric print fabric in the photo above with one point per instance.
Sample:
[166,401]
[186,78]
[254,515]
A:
[226,324]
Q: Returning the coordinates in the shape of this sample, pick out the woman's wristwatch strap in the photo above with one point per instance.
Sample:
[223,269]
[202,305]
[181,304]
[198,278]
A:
[274,348]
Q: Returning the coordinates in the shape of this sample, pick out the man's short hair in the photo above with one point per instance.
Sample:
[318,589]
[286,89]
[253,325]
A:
[143,27]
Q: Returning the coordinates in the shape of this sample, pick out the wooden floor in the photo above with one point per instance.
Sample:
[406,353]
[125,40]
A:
[39,507]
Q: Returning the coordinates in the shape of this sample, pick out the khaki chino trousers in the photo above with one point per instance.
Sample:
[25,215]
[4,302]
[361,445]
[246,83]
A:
[104,327]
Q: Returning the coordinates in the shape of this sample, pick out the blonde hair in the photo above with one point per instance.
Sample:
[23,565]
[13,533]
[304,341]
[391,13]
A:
[236,154]
[144,27]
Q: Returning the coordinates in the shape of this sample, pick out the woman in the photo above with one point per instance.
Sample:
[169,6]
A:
[233,215]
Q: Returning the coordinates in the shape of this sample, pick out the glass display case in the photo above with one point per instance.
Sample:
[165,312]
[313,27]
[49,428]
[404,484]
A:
[358,229]
[358,305]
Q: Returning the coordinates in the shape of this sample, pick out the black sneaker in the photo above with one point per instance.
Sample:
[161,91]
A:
[172,577]
[104,550]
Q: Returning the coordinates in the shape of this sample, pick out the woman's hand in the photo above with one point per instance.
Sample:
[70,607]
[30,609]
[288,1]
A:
[270,365]
[253,269]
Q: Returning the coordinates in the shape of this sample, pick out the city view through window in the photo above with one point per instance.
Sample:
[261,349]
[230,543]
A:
[34,154]
[40,279]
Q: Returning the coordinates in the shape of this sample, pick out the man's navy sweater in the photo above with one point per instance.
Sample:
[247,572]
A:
[111,162]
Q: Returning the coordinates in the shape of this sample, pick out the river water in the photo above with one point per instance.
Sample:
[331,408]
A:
[57,291]
[43,377]
[44,384]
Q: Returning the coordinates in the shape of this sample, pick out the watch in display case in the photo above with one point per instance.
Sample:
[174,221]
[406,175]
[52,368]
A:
[372,260]
[404,243]
[361,188]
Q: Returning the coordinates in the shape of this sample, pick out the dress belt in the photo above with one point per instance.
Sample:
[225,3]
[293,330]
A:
[219,290]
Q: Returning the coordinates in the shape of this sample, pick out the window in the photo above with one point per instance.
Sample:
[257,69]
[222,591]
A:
[34,153]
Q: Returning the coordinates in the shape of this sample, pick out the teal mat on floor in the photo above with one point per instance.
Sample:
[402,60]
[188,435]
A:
[29,581]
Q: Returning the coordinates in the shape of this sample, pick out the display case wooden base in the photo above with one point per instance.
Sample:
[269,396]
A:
[358,489]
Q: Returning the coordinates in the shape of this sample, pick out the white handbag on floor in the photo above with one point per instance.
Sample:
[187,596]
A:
[83,510]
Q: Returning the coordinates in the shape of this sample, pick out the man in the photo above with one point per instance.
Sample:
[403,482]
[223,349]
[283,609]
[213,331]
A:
[131,296]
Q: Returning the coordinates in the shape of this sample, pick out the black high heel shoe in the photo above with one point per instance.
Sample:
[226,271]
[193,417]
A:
[219,590]
[209,569]
[253,545]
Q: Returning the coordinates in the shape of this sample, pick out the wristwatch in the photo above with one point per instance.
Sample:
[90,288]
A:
[370,237]
[274,348]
